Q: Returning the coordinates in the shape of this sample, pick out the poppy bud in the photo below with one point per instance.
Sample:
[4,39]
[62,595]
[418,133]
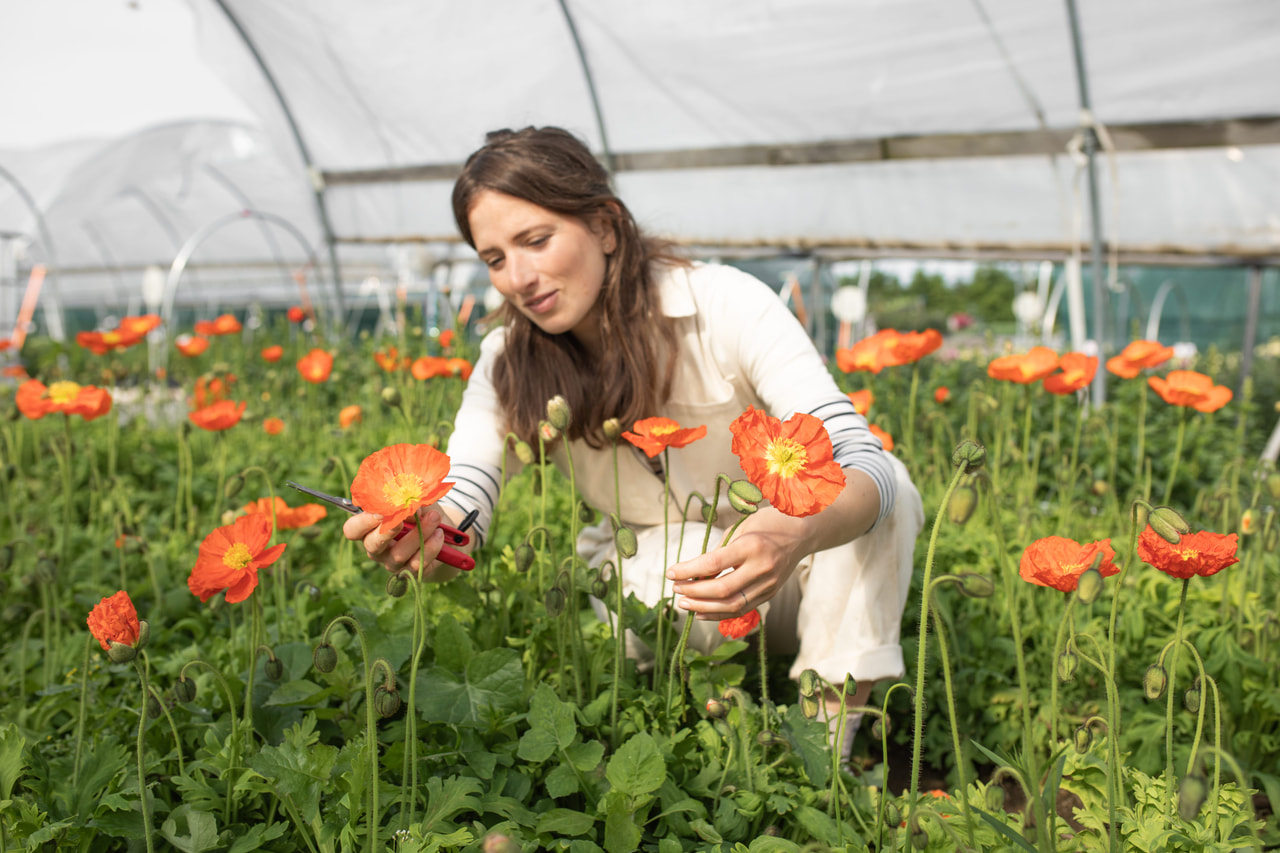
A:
[600,588]
[325,658]
[397,585]
[969,453]
[120,653]
[745,496]
[1248,523]
[1192,792]
[612,429]
[313,592]
[274,668]
[585,513]
[1154,681]
[880,727]
[554,601]
[850,685]
[184,689]
[1068,664]
[184,429]
[234,485]
[892,815]
[1168,524]
[1271,538]
[709,514]
[386,702]
[391,397]
[537,482]
[625,540]
[1100,488]
[1089,586]
[46,569]
[919,835]
[144,635]
[976,586]
[6,557]
[964,500]
[995,797]
[524,452]
[154,711]
[559,413]
[716,709]
[1191,699]
[810,683]
[1273,485]
[329,464]
[1082,739]
[498,842]
[547,431]
[809,706]
[766,738]
[524,557]
[1140,512]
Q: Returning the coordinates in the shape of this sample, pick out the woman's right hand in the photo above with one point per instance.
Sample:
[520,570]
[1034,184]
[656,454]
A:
[394,555]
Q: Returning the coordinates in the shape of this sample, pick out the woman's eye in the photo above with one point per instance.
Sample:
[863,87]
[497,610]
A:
[538,241]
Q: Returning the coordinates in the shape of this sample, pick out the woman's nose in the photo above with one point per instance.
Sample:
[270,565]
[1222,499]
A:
[521,271]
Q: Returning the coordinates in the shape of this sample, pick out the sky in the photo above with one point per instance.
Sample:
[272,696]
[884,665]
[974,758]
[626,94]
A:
[77,69]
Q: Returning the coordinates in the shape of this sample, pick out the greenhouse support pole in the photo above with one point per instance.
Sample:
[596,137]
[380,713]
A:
[317,181]
[53,314]
[591,89]
[1250,329]
[1095,213]
[818,300]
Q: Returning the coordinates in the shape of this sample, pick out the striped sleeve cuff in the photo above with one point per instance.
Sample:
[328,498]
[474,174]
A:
[475,487]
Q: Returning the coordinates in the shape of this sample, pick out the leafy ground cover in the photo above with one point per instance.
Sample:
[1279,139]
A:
[332,707]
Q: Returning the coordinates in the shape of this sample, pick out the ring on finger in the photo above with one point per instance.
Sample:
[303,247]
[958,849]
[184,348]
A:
[745,603]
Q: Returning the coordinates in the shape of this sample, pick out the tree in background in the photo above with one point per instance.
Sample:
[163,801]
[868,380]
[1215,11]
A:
[987,297]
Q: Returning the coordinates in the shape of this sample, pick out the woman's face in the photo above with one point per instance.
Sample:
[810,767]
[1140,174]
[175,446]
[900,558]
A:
[550,267]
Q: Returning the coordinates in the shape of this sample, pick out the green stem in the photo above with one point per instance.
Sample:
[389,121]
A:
[575,622]
[911,410]
[1054,680]
[84,686]
[371,734]
[951,715]
[1168,718]
[1142,427]
[142,771]
[1177,454]
[659,646]
[233,743]
[1113,747]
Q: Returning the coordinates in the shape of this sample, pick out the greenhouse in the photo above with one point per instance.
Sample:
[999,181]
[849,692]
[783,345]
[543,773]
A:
[928,350]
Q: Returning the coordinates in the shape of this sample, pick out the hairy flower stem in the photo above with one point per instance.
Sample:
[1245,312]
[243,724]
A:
[1113,745]
[218,496]
[255,632]
[949,692]
[764,675]
[409,775]
[1171,782]
[1054,680]
[575,623]
[371,732]
[1177,454]
[660,646]
[1065,504]
[142,770]
[84,686]
[911,411]
[620,631]
[1139,457]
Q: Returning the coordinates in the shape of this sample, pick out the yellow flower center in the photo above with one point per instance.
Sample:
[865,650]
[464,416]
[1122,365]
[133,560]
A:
[664,429]
[1073,567]
[404,490]
[63,392]
[1188,554]
[237,556]
[785,457]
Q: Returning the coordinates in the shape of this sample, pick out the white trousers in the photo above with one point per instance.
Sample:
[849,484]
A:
[840,613]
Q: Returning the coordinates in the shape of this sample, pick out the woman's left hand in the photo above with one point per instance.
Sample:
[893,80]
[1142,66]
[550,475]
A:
[764,553]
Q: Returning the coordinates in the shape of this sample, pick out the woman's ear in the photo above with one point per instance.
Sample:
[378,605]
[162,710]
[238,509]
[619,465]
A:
[605,226]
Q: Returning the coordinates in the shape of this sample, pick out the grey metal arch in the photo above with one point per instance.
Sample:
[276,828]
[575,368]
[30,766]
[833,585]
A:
[53,314]
[606,150]
[246,203]
[1157,310]
[317,185]
[193,242]
[157,213]
[108,260]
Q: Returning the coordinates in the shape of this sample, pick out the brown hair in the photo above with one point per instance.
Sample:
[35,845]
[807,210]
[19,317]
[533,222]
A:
[553,169]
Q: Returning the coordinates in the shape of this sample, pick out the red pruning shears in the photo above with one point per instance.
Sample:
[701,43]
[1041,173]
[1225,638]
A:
[449,555]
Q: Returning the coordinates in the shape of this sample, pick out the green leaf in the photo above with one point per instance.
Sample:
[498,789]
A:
[585,756]
[446,799]
[201,830]
[670,845]
[551,726]
[11,764]
[637,767]
[706,831]
[768,844]
[565,822]
[818,825]
[809,739]
[621,835]
[562,781]
[453,646]
[299,769]
[300,692]
[256,836]
[493,679]
[1004,829]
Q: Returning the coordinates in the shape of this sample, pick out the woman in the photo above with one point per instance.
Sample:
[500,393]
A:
[614,322]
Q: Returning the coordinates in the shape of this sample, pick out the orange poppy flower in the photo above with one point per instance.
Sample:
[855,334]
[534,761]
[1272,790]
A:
[654,435]
[446,338]
[389,360]
[1024,369]
[218,416]
[191,345]
[1078,371]
[862,400]
[428,367]
[790,462]
[397,481]
[5,344]
[101,343]
[739,626]
[231,556]
[14,371]
[287,517]
[1137,356]
[114,620]
[316,366]
[941,395]
[35,400]
[1058,562]
[211,389]
[910,347]
[458,367]
[350,415]
[874,353]
[141,325]
[1191,389]
[272,426]
[1204,553]
[885,438]
[273,353]
[296,314]
[227,324]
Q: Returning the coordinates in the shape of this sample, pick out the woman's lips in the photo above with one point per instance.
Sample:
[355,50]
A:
[541,304]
